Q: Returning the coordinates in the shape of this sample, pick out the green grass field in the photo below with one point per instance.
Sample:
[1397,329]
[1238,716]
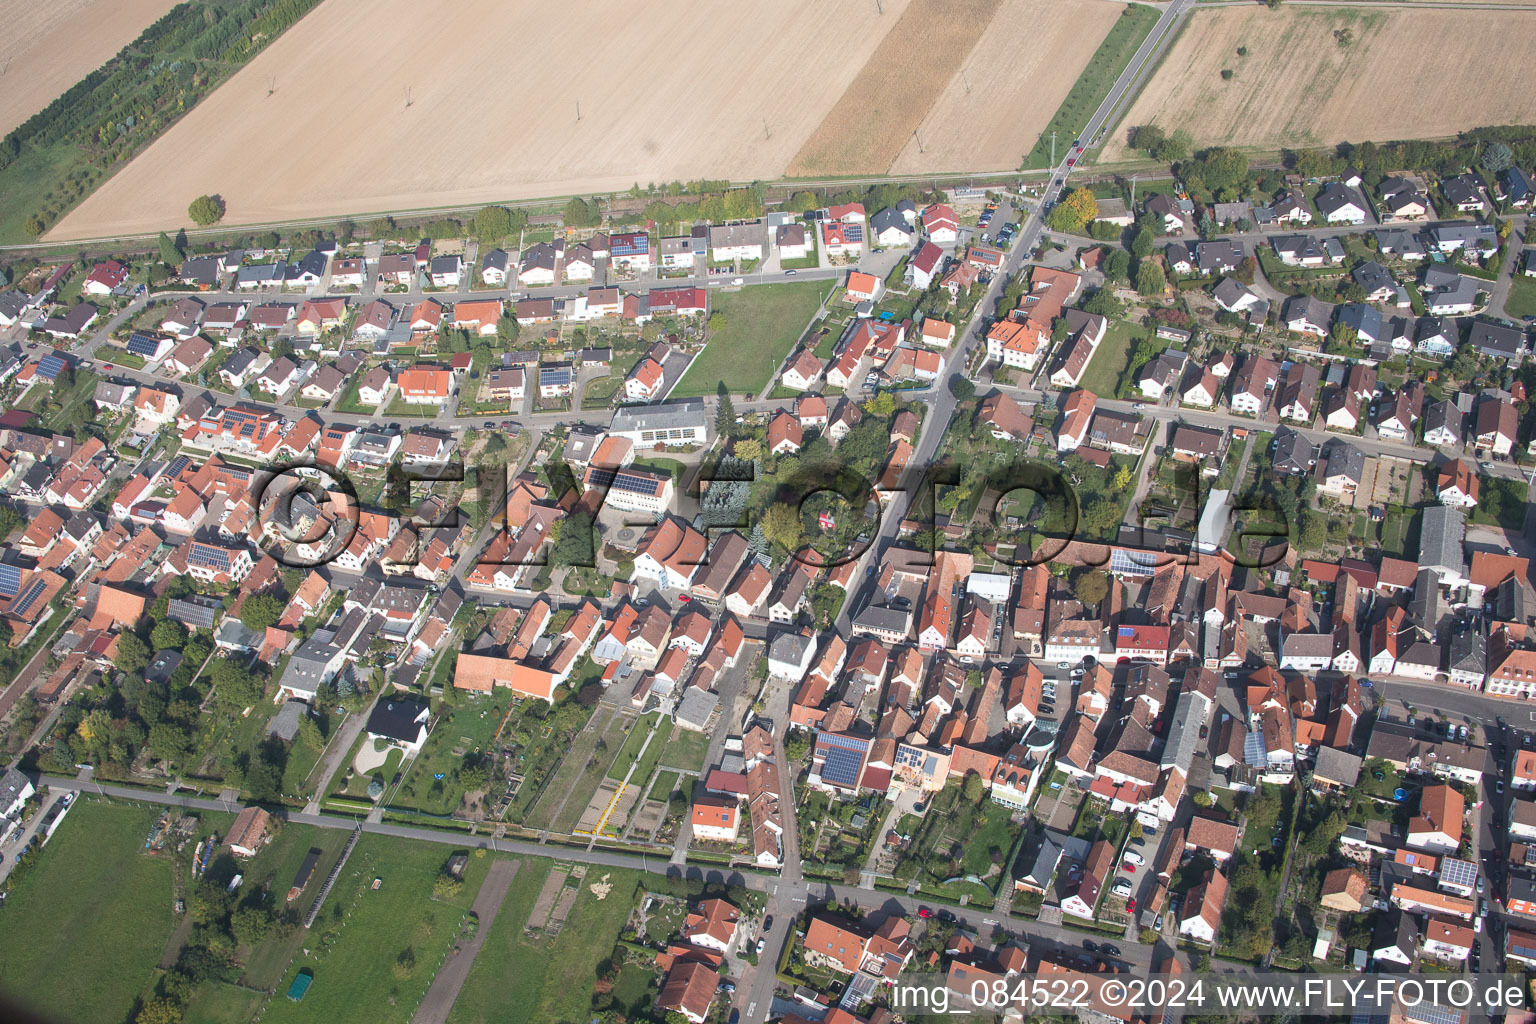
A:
[663,785]
[469,729]
[518,979]
[1113,54]
[1522,297]
[84,929]
[1112,358]
[276,867]
[685,750]
[355,944]
[761,325]
[214,1002]
[629,754]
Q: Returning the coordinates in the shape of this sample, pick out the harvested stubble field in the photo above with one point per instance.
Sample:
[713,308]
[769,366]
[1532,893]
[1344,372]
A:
[784,86]
[865,132]
[667,89]
[1297,86]
[999,100]
[51,46]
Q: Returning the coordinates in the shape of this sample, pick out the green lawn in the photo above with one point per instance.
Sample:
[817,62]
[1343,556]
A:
[1522,296]
[215,1002]
[356,942]
[1113,54]
[275,867]
[1112,358]
[519,979]
[671,467]
[662,788]
[761,325]
[685,750]
[84,929]
[629,754]
[468,729]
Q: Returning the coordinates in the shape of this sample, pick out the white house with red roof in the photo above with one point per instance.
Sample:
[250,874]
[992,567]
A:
[105,278]
[925,265]
[941,225]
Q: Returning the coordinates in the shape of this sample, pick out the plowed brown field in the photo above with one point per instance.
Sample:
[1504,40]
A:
[1407,74]
[49,46]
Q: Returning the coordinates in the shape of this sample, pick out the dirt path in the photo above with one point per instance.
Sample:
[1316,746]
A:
[451,976]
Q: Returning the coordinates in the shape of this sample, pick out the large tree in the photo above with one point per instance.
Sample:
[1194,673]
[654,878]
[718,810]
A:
[1091,587]
[725,411]
[206,210]
[1150,279]
[261,611]
[781,524]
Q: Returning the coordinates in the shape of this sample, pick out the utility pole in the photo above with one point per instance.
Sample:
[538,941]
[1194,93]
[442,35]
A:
[1133,194]
[919,140]
[1053,150]
[967,80]
[766,133]
[578,111]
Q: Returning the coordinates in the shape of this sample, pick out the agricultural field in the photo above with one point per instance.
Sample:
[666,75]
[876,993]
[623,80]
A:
[915,61]
[92,890]
[774,73]
[358,946]
[759,327]
[1318,76]
[1002,95]
[49,47]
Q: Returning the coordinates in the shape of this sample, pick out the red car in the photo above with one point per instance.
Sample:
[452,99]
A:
[1071,160]
[1130,869]
[924,912]
[1130,905]
[684,598]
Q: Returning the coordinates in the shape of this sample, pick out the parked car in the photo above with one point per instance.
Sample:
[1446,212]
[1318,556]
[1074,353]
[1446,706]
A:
[924,912]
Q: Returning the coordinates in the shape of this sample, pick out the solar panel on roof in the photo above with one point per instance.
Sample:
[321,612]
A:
[209,558]
[143,344]
[1429,1013]
[50,367]
[27,598]
[842,766]
[1454,871]
[10,580]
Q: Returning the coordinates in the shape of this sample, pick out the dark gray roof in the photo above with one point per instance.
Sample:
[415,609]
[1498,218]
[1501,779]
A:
[1441,531]
[1493,339]
[1443,414]
[1373,277]
[886,219]
[398,719]
[1314,311]
[1461,189]
[1334,196]
[1469,650]
[201,270]
[285,724]
[1366,320]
